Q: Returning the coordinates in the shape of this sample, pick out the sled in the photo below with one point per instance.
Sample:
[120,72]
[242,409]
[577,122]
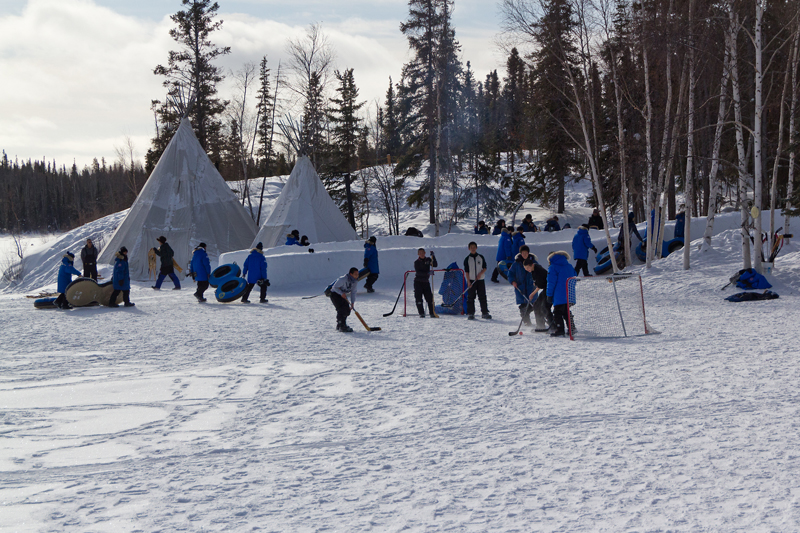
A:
[85,291]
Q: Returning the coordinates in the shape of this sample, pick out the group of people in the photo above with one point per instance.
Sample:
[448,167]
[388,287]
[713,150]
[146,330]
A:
[294,239]
[121,278]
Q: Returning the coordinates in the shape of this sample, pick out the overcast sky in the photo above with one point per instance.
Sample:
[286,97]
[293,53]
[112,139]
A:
[76,76]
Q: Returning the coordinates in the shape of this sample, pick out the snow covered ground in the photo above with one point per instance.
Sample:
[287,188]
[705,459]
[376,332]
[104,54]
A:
[175,415]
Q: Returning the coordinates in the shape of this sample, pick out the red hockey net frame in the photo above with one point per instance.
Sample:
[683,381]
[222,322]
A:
[410,287]
[606,306]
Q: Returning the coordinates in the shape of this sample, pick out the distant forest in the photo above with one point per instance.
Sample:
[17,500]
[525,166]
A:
[651,100]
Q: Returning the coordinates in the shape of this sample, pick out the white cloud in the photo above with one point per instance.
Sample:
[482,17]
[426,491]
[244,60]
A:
[78,77]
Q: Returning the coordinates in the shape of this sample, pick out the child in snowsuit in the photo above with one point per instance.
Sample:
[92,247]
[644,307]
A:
[503,251]
[557,275]
[65,273]
[167,268]
[343,286]
[475,269]
[89,259]
[121,279]
[522,280]
[581,244]
[371,262]
[200,268]
[255,270]
[422,283]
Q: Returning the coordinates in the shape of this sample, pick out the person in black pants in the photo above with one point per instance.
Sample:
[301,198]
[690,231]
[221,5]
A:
[541,309]
[343,286]
[121,279]
[89,258]
[422,283]
[475,270]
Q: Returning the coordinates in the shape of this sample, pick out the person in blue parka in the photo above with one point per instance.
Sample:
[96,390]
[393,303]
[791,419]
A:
[557,275]
[552,224]
[503,251]
[481,228]
[255,271]
[121,278]
[680,224]
[371,262]
[522,281]
[65,273]
[581,244]
[517,241]
[200,269]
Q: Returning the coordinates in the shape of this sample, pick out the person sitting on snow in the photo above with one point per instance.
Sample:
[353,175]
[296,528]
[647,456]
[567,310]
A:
[371,262]
[255,270]
[581,244]
[65,273]
[121,278]
[528,225]
[557,275]
[498,227]
[552,224]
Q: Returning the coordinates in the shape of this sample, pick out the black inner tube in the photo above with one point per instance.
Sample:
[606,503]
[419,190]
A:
[229,285]
[222,271]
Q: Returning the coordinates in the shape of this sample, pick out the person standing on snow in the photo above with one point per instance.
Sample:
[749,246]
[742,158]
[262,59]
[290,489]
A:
[475,269]
[167,268]
[371,262]
[121,279]
[632,229]
[89,259]
[200,269]
[522,281]
[557,275]
[517,241]
[255,268]
[422,282]
[595,221]
[65,273]
[541,307]
[503,251]
[343,286]
[581,244]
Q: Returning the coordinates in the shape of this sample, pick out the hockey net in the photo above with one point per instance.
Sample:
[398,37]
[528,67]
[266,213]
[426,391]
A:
[451,286]
[606,306]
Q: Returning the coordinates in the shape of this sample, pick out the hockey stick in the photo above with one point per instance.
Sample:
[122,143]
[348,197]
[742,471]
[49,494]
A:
[456,299]
[309,297]
[398,299]
[365,324]
[512,333]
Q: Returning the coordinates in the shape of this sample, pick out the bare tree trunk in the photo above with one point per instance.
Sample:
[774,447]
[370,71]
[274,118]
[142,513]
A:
[689,184]
[648,134]
[737,109]
[773,191]
[757,129]
[622,160]
[714,184]
[792,150]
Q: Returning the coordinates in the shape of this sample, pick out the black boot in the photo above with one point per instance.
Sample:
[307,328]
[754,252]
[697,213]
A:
[421,310]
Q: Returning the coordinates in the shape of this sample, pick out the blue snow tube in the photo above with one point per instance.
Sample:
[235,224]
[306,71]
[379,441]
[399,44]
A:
[230,290]
[45,303]
[363,273]
[222,273]
[667,248]
[502,268]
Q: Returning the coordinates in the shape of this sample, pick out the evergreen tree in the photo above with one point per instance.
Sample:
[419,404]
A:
[265,110]
[550,85]
[314,120]
[191,74]
[346,132]
[390,124]
[514,99]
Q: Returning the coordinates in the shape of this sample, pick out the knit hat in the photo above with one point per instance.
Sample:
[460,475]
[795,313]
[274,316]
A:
[202,245]
[259,246]
[123,250]
[373,239]
[162,239]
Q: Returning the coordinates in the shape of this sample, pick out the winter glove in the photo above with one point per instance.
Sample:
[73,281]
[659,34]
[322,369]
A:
[595,249]
[549,301]
[267,282]
[366,261]
[260,283]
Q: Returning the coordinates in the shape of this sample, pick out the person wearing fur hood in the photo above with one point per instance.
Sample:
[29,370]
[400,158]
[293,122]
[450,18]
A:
[558,273]
[200,270]
[121,278]
[255,271]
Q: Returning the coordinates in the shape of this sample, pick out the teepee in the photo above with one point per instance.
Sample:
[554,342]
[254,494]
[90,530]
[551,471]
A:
[187,201]
[306,206]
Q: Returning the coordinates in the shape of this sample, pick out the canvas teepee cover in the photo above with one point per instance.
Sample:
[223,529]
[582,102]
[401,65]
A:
[186,200]
[305,205]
